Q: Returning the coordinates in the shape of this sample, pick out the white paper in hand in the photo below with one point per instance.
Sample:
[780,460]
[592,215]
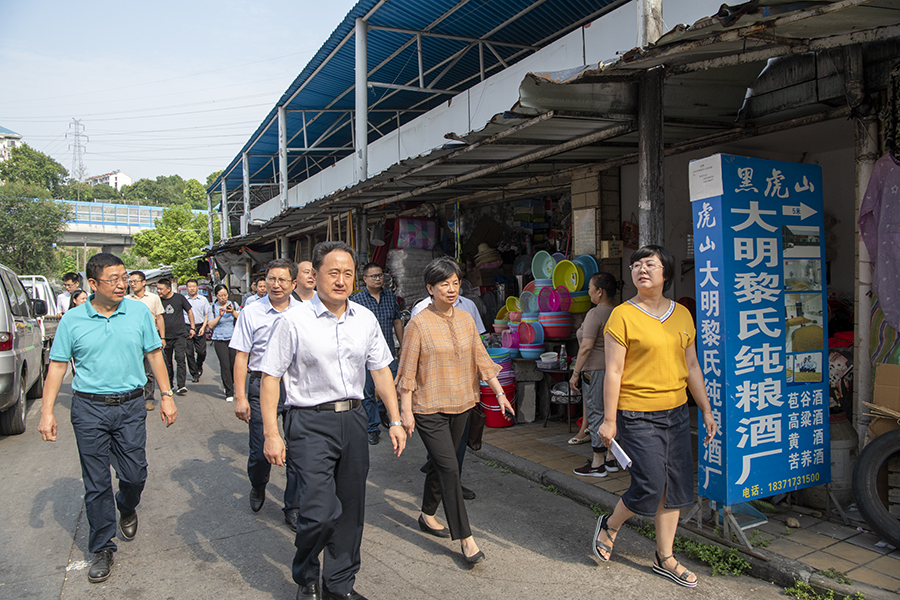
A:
[620,455]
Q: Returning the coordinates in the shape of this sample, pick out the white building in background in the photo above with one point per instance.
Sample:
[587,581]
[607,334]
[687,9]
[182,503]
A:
[8,141]
[115,179]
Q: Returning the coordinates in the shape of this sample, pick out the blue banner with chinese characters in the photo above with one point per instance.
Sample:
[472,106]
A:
[761,325]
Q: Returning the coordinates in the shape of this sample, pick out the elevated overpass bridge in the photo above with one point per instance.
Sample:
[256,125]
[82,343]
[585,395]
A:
[109,226]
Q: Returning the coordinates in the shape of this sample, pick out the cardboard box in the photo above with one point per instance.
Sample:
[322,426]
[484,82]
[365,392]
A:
[887,386]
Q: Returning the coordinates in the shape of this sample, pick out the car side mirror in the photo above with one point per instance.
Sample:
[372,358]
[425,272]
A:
[39,306]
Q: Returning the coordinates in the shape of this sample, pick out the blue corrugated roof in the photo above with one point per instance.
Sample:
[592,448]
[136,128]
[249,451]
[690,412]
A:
[327,81]
[7,131]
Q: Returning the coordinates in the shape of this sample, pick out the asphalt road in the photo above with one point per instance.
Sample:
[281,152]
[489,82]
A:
[198,538]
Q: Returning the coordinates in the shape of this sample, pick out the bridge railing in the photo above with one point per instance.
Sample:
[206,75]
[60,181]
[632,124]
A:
[125,215]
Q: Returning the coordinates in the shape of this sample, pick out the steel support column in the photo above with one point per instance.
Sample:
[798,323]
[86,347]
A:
[650,21]
[245,218]
[282,157]
[362,109]
[223,226]
[651,168]
[209,217]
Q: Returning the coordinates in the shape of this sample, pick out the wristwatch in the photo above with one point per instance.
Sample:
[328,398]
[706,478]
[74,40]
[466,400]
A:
[395,424]
[167,393]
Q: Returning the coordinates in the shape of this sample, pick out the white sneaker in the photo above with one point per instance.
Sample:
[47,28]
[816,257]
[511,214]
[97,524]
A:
[229,399]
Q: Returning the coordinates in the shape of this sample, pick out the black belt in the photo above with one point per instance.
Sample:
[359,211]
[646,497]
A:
[339,406]
[257,374]
[113,399]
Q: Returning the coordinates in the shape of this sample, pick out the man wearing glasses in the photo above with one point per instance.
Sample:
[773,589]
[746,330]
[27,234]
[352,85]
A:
[383,304]
[138,283]
[108,340]
[71,281]
[252,333]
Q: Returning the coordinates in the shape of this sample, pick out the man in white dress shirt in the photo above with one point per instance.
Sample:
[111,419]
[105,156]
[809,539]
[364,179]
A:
[321,350]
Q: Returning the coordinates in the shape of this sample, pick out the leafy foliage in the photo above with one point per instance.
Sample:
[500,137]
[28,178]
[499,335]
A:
[31,224]
[194,194]
[32,168]
[804,591]
[164,191]
[723,561]
[104,191]
[177,236]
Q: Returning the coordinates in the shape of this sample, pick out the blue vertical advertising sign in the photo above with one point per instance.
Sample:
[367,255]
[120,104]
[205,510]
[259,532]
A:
[761,325]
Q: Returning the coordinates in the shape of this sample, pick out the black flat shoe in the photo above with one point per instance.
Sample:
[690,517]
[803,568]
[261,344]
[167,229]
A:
[257,498]
[128,526]
[309,592]
[101,567]
[290,518]
[475,558]
[443,532]
[467,493]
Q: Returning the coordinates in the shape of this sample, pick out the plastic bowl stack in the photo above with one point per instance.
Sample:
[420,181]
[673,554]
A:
[500,325]
[510,340]
[581,302]
[540,284]
[532,351]
[556,325]
[529,317]
[507,378]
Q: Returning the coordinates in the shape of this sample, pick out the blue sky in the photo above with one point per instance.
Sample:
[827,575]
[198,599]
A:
[162,87]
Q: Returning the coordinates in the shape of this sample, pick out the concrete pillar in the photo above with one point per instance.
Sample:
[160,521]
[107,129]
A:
[651,171]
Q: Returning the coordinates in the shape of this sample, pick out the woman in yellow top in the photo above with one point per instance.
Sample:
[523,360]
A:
[650,362]
[440,366]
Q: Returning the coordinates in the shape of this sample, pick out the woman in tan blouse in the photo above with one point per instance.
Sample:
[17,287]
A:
[441,364]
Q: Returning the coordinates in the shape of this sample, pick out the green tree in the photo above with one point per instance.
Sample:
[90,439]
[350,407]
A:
[194,194]
[104,191]
[31,224]
[177,236]
[165,190]
[77,191]
[27,166]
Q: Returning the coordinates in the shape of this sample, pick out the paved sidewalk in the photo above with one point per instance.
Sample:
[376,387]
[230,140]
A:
[544,455]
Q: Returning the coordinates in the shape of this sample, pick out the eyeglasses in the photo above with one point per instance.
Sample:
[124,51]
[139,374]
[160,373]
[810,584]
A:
[114,281]
[649,266]
[377,276]
[280,281]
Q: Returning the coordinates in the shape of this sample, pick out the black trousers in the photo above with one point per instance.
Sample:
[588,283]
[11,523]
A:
[441,433]
[151,381]
[226,358]
[176,347]
[109,435]
[196,352]
[332,455]
[258,468]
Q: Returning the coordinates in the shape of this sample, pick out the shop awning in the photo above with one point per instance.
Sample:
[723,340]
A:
[749,70]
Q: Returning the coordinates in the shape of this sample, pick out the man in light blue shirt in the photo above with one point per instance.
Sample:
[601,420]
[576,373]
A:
[107,338]
[251,337]
[322,350]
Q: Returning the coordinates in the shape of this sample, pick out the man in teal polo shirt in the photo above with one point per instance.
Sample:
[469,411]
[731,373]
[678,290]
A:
[108,339]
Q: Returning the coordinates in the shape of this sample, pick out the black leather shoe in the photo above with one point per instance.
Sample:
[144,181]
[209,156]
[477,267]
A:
[290,518]
[475,558]
[374,437]
[101,568]
[467,493]
[128,526]
[354,595]
[443,532]
[257,498]
[309,592]
[195,379]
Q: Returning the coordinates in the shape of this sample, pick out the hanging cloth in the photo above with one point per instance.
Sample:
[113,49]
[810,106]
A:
[890,116]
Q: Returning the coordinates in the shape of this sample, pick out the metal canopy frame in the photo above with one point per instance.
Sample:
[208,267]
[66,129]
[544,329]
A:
[423,50]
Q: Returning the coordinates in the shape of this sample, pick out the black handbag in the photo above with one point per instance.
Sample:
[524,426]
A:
[476,427]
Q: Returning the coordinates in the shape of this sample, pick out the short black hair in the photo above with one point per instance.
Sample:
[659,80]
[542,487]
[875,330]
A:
[440,269]
[71,276]
[664,256]
[606,282]
[282,263]
[164,282]
[369,265]
[323,249]
[140,275]
[98,262]
[190,280]
[219,287]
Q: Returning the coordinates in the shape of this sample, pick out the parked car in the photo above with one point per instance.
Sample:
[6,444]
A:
[39,288]
[21,354]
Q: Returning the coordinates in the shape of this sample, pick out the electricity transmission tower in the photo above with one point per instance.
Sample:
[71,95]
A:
[77,146]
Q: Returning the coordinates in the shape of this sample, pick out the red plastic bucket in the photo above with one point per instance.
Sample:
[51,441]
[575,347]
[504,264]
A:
[492,413]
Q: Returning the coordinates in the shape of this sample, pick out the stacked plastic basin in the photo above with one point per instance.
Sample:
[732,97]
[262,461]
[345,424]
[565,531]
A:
[492,412]
[557,325]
